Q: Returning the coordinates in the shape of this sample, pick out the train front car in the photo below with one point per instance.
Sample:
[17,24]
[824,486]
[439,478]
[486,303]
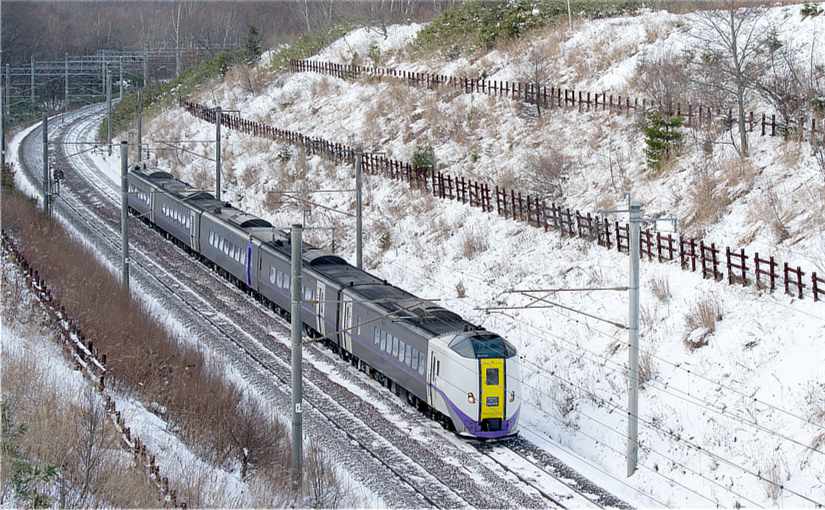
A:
[474,380]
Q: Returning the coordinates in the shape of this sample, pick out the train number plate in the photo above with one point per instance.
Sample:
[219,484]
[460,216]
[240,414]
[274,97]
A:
[492,401]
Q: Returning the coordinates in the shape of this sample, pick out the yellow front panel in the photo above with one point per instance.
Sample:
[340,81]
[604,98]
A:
[492,388]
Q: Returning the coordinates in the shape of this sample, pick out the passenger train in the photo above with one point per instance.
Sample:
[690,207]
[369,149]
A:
[459,374]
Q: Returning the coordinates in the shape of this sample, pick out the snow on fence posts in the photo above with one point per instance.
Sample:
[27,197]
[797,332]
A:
[512,204]
[91,364]
[737,261]
[794,277]
[710,261]
[817,286]
[770,273]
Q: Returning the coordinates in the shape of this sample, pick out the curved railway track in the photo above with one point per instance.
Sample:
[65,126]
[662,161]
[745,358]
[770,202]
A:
[406,460]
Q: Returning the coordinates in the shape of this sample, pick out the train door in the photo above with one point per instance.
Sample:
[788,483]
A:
[431,379]
[492,392]
[321,308]
[346,315]
[193,230]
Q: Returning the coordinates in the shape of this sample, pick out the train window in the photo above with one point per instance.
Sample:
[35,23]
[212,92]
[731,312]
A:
[414,361]
[395,347]
[272,274]
[492,376]
[211,238]
[376,335]
[437,367]
[421,363]
[401,348]
[485,345]
[383,340]
[408,355]
[287,282]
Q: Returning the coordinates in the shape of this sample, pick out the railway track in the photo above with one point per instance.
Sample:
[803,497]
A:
[407,460]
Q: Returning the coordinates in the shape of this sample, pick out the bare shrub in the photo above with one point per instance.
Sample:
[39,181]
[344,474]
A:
[660,286]
[548,173]
[474,243]
[663,79]
[321,485]
[739,176]
[247,77]
[778,215]
[647,367]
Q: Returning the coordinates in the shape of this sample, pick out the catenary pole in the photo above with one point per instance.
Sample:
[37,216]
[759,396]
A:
[46,197]
[218,117]
[124,213]
[359,224]
[8,91]
[297,383]
[32,82]
[109,110]
[66,82]
[145,66]
[120,96]
[633,337]
[140,125]
[2,124]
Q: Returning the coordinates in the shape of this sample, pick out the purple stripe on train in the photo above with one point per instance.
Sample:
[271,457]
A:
[473,427]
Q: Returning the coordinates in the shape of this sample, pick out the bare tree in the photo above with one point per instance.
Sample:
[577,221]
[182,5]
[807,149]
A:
[785,84]
[730,61]
[539,69]
[663,80]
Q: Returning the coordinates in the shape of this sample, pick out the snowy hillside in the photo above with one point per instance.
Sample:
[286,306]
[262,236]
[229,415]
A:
[729,370]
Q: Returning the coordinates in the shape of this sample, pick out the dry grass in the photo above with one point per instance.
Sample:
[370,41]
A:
[42,427]
[771,209]
[708,201]
[700,322]
[660,286]
[474,243]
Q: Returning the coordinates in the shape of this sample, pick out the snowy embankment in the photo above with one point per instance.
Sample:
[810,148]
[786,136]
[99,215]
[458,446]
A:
[729,370]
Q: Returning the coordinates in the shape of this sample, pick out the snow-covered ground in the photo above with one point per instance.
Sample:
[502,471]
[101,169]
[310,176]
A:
[753,398]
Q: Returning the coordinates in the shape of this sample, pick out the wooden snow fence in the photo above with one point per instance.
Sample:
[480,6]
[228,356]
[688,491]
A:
[694,255]
[804,128]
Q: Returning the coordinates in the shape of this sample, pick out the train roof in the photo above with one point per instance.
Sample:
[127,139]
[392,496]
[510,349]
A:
[203,200]
[398,304]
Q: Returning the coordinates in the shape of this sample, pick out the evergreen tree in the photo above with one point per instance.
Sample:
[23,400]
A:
[253,44]
[661,136]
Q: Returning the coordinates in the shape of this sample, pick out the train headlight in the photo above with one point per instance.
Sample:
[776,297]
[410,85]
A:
[512,396]
[471,398]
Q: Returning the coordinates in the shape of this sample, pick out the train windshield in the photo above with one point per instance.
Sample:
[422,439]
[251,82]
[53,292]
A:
[482,346]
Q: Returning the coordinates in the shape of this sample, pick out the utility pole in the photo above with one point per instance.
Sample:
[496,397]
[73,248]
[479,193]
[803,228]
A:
[32,82]
[140,126]
[569,16]
[359,232]
[46,183]
[145,66]
[218,118]
[633,337]
[8,91]
[66,82]
[109,110]
[297,383]
[121,78]
[124,213]
[2,125]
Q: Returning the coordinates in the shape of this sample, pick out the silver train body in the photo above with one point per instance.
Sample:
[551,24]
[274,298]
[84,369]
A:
[463,376]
